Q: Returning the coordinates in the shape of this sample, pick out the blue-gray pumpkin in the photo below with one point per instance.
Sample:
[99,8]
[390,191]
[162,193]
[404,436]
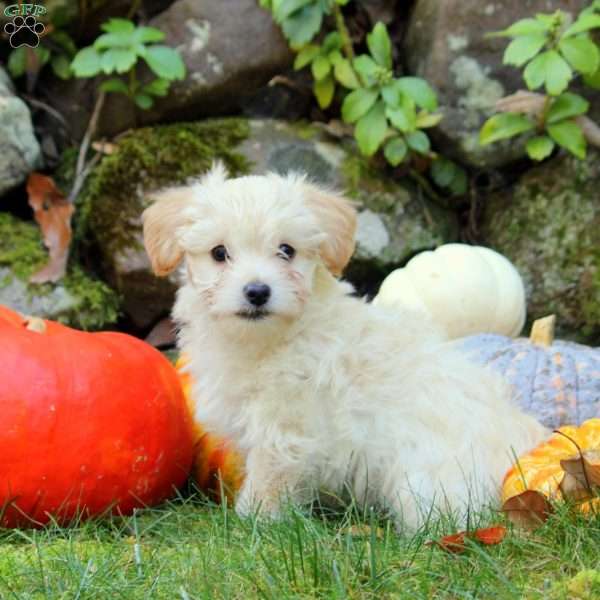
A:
[556,381]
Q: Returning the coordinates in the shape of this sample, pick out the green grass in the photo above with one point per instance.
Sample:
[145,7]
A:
[191,549]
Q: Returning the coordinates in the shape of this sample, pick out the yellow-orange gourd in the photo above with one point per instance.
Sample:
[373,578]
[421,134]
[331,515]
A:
[540,469]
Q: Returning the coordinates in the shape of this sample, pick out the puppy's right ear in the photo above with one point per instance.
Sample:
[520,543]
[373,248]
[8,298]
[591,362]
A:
[161,222]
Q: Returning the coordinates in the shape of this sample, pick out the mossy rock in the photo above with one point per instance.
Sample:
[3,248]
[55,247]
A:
[549,226]
[78,300]
[395,221]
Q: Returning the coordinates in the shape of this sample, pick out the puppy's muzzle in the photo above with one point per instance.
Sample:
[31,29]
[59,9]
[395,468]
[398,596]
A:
[257,293]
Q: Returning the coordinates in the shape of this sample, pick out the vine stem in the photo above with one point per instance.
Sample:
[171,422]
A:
[340,25]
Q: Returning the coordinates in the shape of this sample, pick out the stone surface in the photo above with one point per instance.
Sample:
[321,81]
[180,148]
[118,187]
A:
[77,300]
[548,225]
[231,49]
[19,149]
[446,44]
[395,222]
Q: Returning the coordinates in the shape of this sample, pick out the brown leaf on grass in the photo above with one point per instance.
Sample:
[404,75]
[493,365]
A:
[527,510]
[53,213]
[455,543]
[584,466]
[490,535]
[572,489]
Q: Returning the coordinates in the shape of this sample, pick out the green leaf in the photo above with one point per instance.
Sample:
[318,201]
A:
[522,27]
[303,25]
[357,103]
[367,68]
[345,74]
[593,80]
[65,41]
[503,126]
[113,40]
[380,46]
[17,62]
[540,147]
[523,49]
[581,53]
[144,35]
[334,57]
[419,90]
[371,129]
[118,26]
[395,150]
[165,62]
[306,56]
[143,101]
[86,63]
[118,60]
[442,171]
[61,66]
[332,41]
[568,135]
[459,184]
[158,87]
[549,68]
[42,54]
[565,106]
[114,85]
[418,141]
[320,67]
[286,8]
[583,23]
[426,119]
[404,117]
[324,90]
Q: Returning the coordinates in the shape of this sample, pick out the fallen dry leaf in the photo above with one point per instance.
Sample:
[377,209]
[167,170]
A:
[490,535]
[584,467]
[527,510]
[162,334]
[104,147]
[53,213]
[572,489]
[455,543]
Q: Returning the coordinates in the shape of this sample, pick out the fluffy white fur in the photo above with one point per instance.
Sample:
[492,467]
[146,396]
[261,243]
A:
[326,392]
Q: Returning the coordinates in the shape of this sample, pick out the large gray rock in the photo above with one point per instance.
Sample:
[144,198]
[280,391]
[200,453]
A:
[231,49]
[548,225]
[395,221]
[446,44]
[77,300]
[19,150]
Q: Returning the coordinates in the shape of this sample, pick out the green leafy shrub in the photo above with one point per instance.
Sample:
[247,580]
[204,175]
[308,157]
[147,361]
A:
[388,113]
[117,52]
[552,50]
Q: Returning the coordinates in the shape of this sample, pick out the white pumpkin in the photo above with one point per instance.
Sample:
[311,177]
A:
[464,289]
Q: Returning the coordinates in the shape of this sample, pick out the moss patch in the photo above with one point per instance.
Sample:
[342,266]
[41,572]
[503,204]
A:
[147,159]
[21,250]
[549,226]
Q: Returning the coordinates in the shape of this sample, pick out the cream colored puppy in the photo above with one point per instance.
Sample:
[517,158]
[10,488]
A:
[321,390]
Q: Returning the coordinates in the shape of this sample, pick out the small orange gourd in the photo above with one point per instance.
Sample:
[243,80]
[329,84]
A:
[540,469]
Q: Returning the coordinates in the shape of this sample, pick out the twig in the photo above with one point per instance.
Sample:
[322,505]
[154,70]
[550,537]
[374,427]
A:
[51,111]
[81,171]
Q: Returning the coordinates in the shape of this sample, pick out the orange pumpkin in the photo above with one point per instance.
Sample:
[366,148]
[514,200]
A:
[540,469]
[91,423]
[218,466]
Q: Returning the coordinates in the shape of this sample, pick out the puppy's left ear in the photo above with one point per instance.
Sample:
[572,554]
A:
[337,218]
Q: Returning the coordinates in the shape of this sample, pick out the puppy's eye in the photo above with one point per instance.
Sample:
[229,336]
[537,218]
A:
[219,253]
[286,251]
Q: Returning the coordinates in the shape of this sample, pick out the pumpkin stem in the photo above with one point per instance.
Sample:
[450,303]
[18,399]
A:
[542,331]
[35,324]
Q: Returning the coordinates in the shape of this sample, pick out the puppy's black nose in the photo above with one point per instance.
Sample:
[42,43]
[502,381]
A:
[257,293]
